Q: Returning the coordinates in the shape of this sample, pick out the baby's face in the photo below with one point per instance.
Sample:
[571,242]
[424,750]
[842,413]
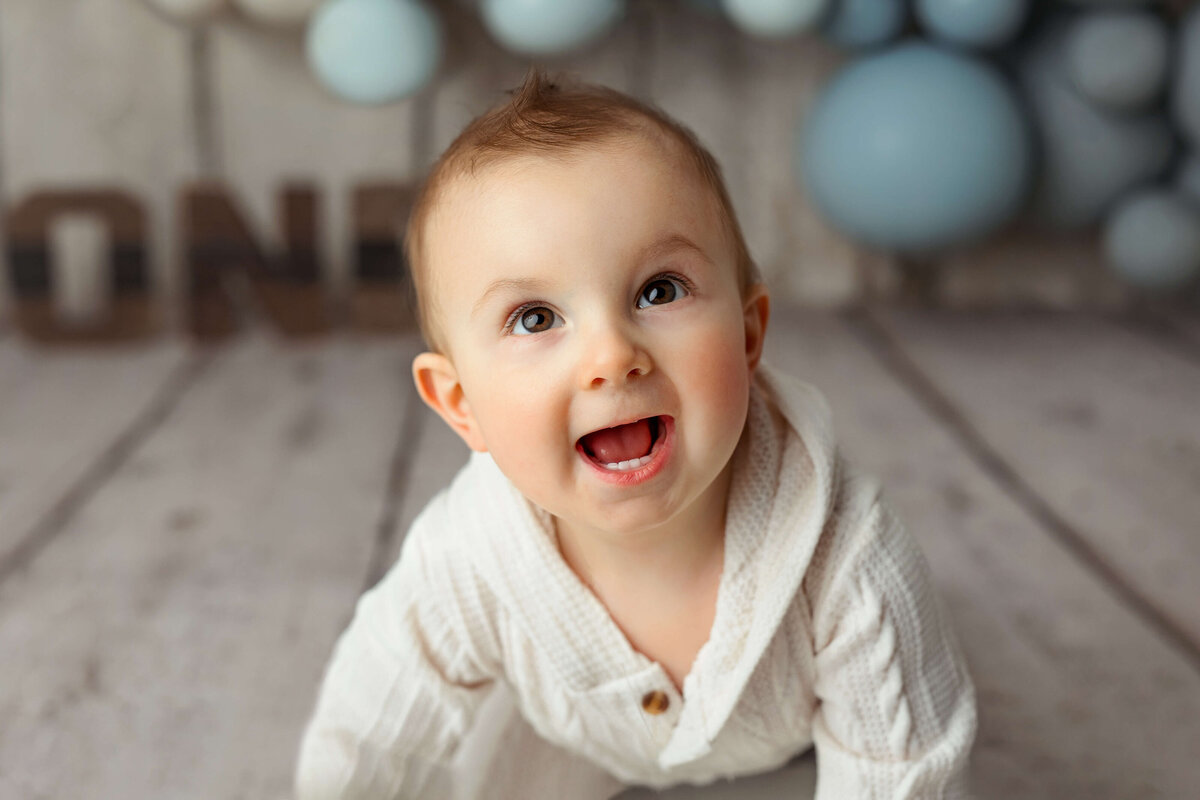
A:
[597,343]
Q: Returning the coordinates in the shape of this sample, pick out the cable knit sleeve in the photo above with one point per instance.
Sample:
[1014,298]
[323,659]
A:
[402,687]
[896,708]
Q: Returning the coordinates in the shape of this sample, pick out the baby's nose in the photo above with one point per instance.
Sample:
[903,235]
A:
[613,358]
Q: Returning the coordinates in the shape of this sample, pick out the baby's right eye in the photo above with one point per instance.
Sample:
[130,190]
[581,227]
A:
[534,319]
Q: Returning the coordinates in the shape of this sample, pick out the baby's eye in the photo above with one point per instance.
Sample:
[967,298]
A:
[661,291]
[534,320]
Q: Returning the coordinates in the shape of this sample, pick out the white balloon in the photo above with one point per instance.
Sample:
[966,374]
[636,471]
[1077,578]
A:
[1152,240]
[189,10]
[775,19]
[278,12]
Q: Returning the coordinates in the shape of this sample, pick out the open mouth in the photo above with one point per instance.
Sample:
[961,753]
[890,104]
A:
[624,448]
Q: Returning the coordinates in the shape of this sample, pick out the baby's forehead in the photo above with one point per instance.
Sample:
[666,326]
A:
[491,170]
[468,202]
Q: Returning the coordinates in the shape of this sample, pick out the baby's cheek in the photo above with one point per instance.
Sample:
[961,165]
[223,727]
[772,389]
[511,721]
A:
[523,433]
[722,371]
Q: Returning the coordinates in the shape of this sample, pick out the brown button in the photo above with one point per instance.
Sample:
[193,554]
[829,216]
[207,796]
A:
[655,702]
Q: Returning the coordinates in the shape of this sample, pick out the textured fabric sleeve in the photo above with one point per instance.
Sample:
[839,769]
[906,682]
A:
[400,691]
[896,709]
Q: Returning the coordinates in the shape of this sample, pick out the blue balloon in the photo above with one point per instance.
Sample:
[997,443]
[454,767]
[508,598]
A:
[1152,240]
[865,23]
[549,27]
[973,23]
[1089,157]
[374,51]
[1118,59]
[916,148]
[775,19]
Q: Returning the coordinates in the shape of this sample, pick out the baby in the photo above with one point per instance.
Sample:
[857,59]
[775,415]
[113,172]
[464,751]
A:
[655,544]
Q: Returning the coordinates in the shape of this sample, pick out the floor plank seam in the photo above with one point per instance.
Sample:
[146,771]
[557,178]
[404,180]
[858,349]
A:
[885,346]
[59,516]
[1162,331]
[408,441]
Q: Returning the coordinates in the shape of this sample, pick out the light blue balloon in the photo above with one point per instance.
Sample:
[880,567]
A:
[775,19]
[1118,59]
[549,27]
[1089,157]
[865,23]
[916,148]
[1152,240]
[973,23]
[374,51]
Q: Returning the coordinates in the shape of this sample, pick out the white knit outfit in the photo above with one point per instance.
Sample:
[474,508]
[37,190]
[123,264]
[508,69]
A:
[827,631]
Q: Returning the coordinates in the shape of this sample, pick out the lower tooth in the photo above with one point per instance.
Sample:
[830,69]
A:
[621,466]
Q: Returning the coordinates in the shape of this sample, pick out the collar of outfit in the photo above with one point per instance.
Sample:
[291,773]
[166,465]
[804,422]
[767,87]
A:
[779,503]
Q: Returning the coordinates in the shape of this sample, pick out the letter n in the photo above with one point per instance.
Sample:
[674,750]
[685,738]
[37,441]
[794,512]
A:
[226,265]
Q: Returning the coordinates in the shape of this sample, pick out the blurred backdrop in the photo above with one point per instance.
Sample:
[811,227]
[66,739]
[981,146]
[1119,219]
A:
[979,219]
[975,153]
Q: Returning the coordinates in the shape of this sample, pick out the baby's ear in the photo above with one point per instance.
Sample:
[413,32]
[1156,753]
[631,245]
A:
[437,383]
[756,310]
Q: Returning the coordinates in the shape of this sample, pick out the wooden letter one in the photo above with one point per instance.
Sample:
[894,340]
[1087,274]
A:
[223,255]
[130,313]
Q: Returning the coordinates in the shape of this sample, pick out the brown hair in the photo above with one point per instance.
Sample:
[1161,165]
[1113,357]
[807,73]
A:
[549,117]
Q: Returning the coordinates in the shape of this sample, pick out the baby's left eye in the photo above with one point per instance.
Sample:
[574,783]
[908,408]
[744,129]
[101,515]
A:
[661,291]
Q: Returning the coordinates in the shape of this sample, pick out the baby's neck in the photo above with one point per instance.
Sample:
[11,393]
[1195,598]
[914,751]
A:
[660,586]
[673,557]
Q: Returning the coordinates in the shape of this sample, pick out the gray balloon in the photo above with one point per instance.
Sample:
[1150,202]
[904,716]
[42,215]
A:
[1187,178]
[1118,59]
[1185,100]
[1152,240]
[1089,157]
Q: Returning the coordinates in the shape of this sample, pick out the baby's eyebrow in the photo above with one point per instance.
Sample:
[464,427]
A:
[515,285]
[669,244]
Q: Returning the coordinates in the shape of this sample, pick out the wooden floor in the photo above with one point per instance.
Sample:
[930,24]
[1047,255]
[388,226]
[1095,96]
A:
[183,534]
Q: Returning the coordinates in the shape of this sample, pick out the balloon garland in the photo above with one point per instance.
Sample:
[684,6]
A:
[1071,112]
[881,156]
